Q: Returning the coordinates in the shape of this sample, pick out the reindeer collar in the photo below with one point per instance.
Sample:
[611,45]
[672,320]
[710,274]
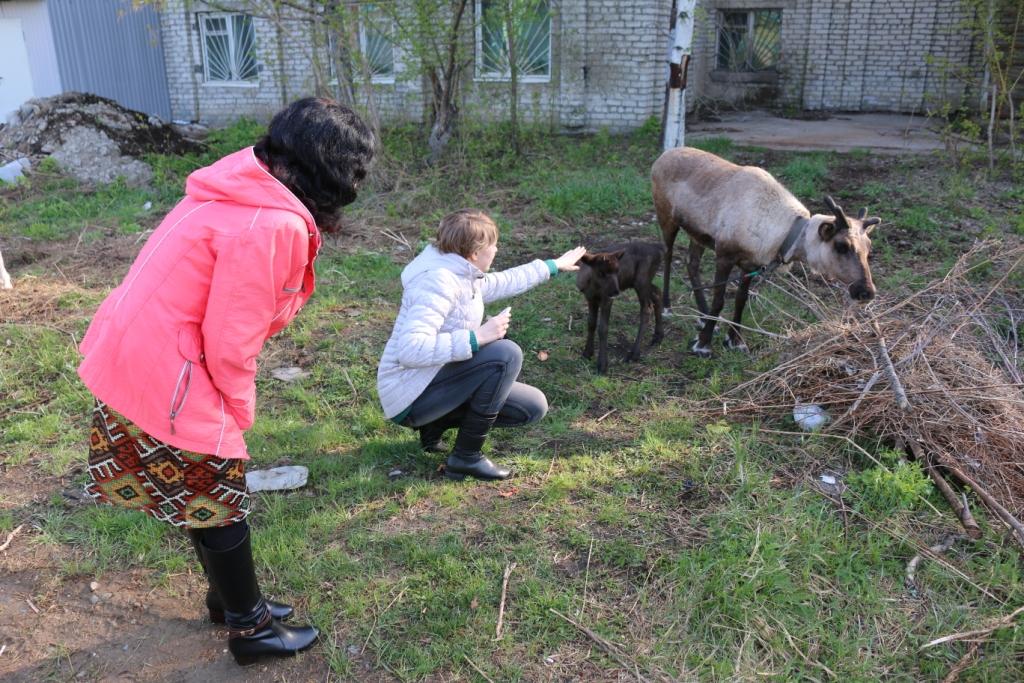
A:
[796,231]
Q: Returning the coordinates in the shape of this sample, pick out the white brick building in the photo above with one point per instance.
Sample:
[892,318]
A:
[598,63]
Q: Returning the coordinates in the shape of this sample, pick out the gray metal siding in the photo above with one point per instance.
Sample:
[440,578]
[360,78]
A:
[108,48]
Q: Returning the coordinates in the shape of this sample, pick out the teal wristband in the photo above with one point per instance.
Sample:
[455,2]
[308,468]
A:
[552,266]
[472,341]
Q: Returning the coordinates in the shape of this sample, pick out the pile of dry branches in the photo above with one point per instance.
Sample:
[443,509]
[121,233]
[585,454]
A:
[937,373]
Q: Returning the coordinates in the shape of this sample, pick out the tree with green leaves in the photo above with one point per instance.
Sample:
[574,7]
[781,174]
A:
[515,39]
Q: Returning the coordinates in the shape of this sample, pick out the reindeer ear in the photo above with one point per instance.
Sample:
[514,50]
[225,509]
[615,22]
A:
[619,254]
[863,212]
[827,231]
[588,259]
[870,223]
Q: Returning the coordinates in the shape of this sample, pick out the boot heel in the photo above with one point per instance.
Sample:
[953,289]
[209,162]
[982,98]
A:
[245,660]
[454,476]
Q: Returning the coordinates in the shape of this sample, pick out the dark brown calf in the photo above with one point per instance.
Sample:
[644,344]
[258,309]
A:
[602,276]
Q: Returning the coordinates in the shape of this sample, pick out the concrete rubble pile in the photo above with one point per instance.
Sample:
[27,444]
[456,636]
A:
[92,138]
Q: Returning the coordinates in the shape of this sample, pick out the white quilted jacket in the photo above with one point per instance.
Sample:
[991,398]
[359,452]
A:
[443,300]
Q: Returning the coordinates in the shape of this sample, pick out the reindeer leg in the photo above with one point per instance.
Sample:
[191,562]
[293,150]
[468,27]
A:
[735,339]
[602,336]
[702,347]
[5,278]
[644,296]
[696,253]
[669,237]
[588,349]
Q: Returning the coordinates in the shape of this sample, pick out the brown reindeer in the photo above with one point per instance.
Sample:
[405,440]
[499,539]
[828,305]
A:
[602,276]
[752,222]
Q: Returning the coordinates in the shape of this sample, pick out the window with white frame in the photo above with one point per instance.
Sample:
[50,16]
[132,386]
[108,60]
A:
[532,40]
[376,43]
[749,40]
[229,48]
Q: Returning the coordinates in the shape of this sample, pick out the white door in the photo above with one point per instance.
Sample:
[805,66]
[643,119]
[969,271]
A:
[15,77]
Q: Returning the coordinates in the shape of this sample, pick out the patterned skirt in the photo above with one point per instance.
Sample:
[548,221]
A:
[131,469]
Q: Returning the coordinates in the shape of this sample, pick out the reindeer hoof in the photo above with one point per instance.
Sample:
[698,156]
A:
[700,351]
[736,346]
[657,339]
[587,354]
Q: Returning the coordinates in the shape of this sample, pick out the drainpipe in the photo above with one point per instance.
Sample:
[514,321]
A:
[678,63]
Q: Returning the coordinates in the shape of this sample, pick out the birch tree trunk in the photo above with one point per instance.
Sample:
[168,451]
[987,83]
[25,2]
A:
[679,60]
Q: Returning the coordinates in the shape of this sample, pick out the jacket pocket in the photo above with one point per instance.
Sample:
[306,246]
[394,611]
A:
[190,346]
[293,286]
[190,343]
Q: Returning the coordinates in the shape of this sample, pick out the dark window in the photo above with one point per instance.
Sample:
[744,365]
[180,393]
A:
[749,40]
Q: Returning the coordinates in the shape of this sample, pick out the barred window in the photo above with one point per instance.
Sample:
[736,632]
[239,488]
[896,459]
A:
[229,48]
[532,41]
[749,40]
[376,43]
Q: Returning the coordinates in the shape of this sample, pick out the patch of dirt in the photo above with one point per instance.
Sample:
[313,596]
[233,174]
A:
[99,263]
[130,628]
[92,138]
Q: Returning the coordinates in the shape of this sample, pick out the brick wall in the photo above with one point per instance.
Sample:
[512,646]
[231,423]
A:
[608,63]
[849,55]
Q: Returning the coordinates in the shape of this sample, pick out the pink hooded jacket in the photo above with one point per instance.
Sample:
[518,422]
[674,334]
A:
[174,347]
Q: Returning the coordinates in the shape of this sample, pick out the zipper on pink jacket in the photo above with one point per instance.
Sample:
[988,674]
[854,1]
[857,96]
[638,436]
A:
[176,406]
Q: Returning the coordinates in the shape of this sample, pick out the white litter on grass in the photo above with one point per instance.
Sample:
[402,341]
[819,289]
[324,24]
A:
[810,417]
[288,374]
[277,478]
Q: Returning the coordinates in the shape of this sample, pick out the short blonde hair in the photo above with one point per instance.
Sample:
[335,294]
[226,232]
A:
[466,231]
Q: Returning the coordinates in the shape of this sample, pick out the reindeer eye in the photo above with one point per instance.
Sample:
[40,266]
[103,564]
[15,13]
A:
[842,248]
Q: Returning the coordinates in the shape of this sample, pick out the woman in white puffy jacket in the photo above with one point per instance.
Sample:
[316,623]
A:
[443,366]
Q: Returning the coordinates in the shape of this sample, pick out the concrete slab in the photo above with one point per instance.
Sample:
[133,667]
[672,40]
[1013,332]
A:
[885,133]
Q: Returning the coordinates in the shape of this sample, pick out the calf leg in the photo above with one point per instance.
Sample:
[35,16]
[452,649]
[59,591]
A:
[644,295]
[602,336]
[702,347]
[659,331]
[735,339]
[696,253]
[592,308]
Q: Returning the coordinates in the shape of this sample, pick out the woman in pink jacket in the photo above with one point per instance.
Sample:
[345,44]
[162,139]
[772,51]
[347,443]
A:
[171,353]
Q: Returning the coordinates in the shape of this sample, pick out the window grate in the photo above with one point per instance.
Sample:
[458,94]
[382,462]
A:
[749,40]
[532,40]
[229,48]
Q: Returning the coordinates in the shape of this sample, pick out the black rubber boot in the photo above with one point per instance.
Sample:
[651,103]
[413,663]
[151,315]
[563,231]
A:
[252,631]
[432,433]
[214,605]
[466,458]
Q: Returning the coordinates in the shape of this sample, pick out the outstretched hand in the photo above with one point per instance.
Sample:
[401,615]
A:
[567,261]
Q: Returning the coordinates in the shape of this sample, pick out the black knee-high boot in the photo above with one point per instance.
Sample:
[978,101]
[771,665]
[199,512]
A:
[466,458]
[432,433]
[214,604]
[252,631]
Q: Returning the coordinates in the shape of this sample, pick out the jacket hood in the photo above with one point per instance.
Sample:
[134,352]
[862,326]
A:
[244,179]
[432,259]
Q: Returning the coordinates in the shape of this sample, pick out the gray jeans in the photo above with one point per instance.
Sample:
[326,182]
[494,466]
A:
[487,383]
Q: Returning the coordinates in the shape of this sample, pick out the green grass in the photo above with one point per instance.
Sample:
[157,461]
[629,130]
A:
[704,550]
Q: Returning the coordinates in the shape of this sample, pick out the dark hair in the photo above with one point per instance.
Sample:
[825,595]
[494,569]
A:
[320,150]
